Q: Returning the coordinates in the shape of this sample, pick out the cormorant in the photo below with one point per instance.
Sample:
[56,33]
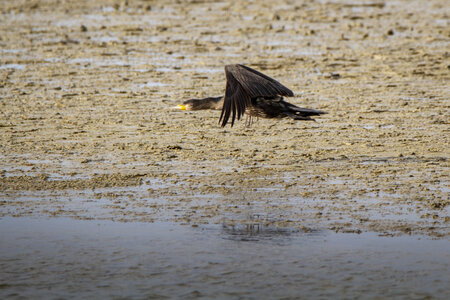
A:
[251,92]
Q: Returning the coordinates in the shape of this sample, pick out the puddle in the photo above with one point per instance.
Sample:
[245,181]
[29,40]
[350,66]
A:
[63,258]
[380,126]
[13,66]
[198,70]
[12,50]
[151,84]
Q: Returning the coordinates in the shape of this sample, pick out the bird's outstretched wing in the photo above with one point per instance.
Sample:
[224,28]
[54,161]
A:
[243,84]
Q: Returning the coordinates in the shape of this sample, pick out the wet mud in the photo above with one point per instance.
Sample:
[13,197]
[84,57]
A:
[87,130]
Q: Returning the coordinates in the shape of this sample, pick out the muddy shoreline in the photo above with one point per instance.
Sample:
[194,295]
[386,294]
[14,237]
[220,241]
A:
[87,129]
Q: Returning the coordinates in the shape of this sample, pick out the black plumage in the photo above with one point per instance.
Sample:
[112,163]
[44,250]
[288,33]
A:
[251,92]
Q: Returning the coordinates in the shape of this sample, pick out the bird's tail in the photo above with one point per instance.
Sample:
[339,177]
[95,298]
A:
[300,113]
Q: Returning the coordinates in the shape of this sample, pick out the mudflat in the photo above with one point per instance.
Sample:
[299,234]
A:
[87,128]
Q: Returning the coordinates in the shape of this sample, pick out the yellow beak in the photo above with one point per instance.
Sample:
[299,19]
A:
[181,106]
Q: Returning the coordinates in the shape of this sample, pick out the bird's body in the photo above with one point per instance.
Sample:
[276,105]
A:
[276,107]
[253,93]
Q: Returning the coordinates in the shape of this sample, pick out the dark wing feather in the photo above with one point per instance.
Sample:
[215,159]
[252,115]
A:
[243,84]
[235,100]
[259,84]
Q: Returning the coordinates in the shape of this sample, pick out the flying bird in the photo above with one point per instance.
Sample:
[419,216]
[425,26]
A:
[253,93]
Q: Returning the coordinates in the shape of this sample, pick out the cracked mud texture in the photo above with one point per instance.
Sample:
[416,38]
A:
[87,130]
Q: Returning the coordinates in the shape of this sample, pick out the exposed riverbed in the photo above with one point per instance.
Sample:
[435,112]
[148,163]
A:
[87,129]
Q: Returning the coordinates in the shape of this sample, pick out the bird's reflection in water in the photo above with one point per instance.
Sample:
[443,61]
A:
[254,231]
[257,229]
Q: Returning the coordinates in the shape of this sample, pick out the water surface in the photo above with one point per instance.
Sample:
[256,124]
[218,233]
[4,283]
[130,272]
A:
[61,257]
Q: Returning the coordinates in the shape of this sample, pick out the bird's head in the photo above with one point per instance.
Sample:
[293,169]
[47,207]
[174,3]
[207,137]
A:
[199,104]
[187,105]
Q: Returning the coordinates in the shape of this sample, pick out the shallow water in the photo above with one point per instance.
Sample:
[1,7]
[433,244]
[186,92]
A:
[61,257]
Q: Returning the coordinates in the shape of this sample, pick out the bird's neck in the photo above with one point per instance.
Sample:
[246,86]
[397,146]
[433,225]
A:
[210,103]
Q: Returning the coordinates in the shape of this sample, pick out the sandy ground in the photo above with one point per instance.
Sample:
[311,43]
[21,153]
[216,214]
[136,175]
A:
[87,130]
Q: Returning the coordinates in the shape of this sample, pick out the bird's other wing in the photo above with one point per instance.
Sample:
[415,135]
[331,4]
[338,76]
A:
[243,84]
